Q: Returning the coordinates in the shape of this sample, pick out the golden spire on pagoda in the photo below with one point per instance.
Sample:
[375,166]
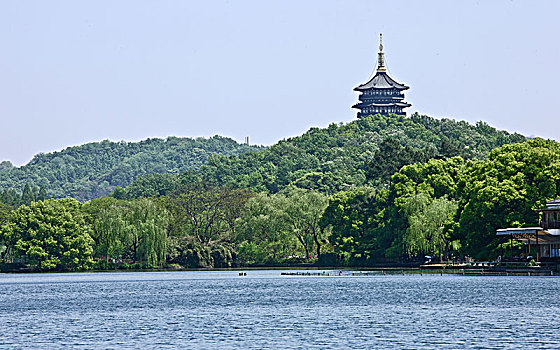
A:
[381,57]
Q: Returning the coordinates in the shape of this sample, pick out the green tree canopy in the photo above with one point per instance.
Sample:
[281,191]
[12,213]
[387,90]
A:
[50,235]
[364,152]
[96,169]
[263,235]
[504,191]
[427,219]
[353,217]
[303,212]
[135,229]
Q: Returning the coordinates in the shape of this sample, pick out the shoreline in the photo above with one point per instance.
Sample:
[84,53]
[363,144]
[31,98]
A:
[343,271]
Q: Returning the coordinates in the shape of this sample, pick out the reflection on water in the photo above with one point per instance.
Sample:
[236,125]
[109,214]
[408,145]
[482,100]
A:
[265,310]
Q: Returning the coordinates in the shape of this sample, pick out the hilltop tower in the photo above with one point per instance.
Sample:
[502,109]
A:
[381,94]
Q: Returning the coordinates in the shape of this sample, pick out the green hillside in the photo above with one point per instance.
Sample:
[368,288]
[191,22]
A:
[338,157]
[364,151]
[95,169]
[376,190]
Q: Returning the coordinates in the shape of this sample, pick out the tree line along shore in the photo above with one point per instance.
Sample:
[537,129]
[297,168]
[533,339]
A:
[379,190]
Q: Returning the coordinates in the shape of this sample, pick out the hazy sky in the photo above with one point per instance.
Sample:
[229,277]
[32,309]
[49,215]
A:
[78,71]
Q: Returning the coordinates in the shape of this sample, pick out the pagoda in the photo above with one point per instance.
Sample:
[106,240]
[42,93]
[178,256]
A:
[381,94]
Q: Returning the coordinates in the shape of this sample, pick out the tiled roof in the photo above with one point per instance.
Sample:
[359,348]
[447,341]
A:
[381,80]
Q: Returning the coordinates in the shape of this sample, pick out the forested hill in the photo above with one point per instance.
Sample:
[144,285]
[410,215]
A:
[331,159]
[365,151]
[95,169]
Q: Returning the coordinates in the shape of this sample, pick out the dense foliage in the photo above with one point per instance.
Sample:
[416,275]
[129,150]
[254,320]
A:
[377,190]
[49,234]
[95,169]
[282,227]
[28,194]
[504,191]
[364,152]
[446,207]
[134,230]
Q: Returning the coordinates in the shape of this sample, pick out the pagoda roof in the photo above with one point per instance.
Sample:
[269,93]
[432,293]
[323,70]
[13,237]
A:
[388,104]
[381,80]
[366,98]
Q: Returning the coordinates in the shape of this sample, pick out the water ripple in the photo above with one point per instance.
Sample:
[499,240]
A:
[268,311]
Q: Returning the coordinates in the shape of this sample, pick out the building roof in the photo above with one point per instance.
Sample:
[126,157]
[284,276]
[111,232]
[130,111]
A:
[379,104]
[517,230]
[553,205]
[381,80]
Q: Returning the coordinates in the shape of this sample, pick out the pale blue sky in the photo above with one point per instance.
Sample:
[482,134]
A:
[78,71]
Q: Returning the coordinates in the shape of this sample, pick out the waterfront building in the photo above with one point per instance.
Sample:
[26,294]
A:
[381,94]
[541,242]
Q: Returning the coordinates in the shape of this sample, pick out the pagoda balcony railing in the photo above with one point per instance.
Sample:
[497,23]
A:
[381,96]
[379,100]
[550,224]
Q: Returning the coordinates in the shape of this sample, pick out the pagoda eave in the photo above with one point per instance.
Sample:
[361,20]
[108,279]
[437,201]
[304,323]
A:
[389,104]
[361,88]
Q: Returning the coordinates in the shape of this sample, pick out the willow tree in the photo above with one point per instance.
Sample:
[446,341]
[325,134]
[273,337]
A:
[427,219]
[105,215]
[136,229]
[303,212]
[146,227]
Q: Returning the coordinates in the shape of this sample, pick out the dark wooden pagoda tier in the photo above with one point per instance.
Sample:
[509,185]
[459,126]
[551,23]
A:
[381,94]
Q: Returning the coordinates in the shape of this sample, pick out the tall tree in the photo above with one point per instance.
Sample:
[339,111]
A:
[505,191]
[263,234]
[27,195]
[207,212]
[303,212]
[427,219]
[51,235]
[42,195]
[6,212]
[106,216]
[353,217]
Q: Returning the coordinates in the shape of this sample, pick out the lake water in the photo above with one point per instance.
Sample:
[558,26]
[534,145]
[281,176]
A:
[265,310]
